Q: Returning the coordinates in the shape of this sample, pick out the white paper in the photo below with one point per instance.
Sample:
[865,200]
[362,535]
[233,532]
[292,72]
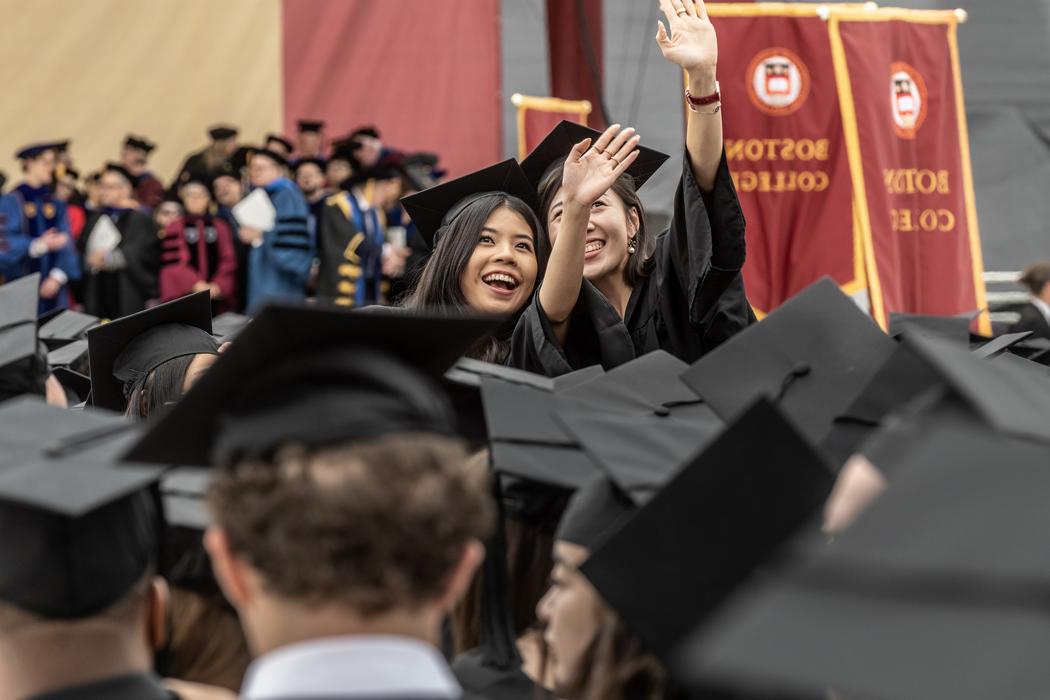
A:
[104,237]
[255,211]
[397,236]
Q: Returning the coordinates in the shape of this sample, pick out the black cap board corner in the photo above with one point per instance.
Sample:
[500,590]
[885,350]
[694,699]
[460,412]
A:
[556,146]
[433,207]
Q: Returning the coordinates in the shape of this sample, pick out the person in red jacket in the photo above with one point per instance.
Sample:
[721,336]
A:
[198,251]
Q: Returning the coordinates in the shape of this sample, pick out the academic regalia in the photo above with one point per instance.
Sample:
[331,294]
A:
[23,361]
[1033,319]
[79,530]
[198,249]
[279,265]
[240,250]
[348,246]
[692,300]
[125,290]
[40,211]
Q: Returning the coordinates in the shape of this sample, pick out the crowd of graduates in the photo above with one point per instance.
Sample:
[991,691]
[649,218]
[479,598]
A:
[568,462]
[117,240]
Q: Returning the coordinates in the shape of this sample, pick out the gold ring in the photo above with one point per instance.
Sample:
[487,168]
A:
[683,12]
[615,161]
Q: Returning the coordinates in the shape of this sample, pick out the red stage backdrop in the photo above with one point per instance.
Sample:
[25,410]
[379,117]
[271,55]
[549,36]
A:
[905,95]
[846,135]
[426,73]
[786,151]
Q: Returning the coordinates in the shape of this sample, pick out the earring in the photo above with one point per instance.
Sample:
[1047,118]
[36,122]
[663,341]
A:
[631,248]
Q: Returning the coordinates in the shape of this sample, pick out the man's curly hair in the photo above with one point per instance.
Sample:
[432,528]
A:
[375,525]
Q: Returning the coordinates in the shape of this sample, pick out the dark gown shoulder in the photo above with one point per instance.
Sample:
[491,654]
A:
[130,687]
[482,681]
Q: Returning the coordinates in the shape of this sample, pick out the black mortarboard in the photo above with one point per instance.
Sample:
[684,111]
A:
[71,380]
[560,141]
[76,530]
[69,354]
[61,146]
[277,138]
[271,154]
[129,348]
[18,332]
[120,170]
[291,364]
[902,377]
[1000,344]
[935,592]
[309,161]
[35,150]
[310,125]
[954,328]
[811,356]
[1034,349]
[218,133]
[1011,399]
[726,512]
[228,324]
[435,207]
[369,131]
[139,142]
[65,327]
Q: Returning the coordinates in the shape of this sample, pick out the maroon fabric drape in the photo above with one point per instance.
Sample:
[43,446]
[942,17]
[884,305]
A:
[576,58]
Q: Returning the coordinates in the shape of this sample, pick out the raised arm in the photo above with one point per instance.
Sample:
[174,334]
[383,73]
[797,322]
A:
[588,173]
[692,45]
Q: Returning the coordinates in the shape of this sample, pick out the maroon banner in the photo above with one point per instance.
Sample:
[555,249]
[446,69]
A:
[786,151]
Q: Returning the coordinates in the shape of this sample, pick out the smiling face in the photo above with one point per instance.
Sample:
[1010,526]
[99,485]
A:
[610,229]
[571,612]
[501,272]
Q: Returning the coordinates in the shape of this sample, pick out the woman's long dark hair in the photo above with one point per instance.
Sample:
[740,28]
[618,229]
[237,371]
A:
[438,285]
[641,263]
[161,386]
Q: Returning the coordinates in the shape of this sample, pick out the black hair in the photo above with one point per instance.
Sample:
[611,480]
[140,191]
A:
[438,285]
[160,387]
[639,265]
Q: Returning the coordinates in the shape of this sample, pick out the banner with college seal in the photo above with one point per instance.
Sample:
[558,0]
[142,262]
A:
[786,150]
[905,121]
[846,136]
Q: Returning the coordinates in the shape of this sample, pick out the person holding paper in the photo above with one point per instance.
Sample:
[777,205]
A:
[41,240]
[120,250]
[197,252]
[282,253]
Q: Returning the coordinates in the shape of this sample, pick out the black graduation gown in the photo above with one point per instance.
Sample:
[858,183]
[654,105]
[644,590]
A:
[131,687]
[692,300]
[117,293]
[1032,319]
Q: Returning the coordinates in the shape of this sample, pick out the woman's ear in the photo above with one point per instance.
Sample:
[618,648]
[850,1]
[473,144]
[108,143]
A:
[157,606]
[634,222]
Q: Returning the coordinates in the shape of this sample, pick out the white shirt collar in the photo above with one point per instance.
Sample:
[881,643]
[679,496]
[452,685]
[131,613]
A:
[367,665]
[1043,307]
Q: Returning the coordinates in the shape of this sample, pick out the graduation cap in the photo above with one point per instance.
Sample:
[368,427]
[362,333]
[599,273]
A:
[307,125]
[935,592]
[309,161]
[997,346]
[811,356]
[18,332]
[35,150]
[901,378]
[228,324]
[120,170]
[1034,349]
[725,513]
[273,349]
[76,530]
[268,153]
[561,140]
[73,381]
[69,354]
[140,143]
[123,351]
[1007,397]
[221,132]
[436,207]
[65,326]
[276,138]
[369,131]
[955,328]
